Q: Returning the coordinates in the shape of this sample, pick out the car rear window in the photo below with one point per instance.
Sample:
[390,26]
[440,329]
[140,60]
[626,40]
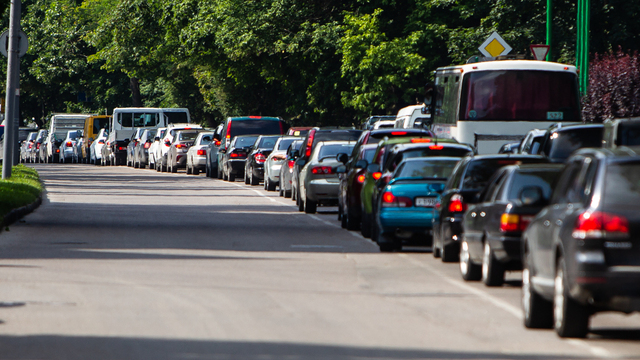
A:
[479,171]
[545,179]
[622,185]
[629,134]
[187,136]
[285,143]
[331,150]
[267,143]
[255,126]
[563,143]
[368,155]
[427,169]
[244,141]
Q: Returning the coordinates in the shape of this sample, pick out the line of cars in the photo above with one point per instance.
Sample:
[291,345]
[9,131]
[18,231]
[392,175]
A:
[562,205]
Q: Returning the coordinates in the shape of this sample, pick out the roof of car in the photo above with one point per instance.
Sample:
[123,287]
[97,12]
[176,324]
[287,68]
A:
[561,127]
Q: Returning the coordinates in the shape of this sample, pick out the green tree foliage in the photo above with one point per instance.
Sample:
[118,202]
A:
[314,62]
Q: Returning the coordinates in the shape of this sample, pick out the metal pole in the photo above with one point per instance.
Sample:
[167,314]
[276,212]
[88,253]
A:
[582,45]
[550,29]
[11,131]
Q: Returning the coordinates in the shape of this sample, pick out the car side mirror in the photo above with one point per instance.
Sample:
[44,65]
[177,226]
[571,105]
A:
[341,169]
[295,153]
[531,196]
[222,151]
[301,162]
[361,164]
[157,138]
[343,158]
[429,99]
[373,168]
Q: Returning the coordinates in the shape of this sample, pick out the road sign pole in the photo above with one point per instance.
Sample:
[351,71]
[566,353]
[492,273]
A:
[550,28]
[11,131]
[582,44]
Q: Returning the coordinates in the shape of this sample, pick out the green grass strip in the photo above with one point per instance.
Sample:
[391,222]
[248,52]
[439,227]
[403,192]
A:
[21,189]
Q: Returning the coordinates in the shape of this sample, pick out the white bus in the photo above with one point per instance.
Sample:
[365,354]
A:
[487,104]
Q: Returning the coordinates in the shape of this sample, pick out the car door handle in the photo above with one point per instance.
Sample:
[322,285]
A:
[547,223]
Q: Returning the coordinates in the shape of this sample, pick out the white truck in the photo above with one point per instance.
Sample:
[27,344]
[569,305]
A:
[126,120]
[59,125]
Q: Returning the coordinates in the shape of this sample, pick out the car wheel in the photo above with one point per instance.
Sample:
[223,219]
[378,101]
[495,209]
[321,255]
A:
[271,186]
[231,177]
[174,169]
[538,312]
[344,218]
[188,170]
[299,202]
[280,191]
[570,318]
[224,176]
[246,179]
[310,206]
[288,194]
[492,269]
[195,170]
[352,219]
[468,270]
[207,171]
[365,227]
[252,179]
[265,182]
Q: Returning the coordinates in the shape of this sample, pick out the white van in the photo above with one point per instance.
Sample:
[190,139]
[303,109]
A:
[126,120]
[412,117]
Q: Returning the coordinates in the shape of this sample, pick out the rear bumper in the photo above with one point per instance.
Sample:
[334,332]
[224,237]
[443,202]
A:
[323,191]
[616,288]
[236,167]
[507,248]
[394,218]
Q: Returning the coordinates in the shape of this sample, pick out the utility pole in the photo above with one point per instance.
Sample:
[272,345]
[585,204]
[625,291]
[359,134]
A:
[13,79]
[582,45]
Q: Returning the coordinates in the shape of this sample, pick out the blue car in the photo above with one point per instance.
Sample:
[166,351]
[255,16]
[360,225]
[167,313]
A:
[406,206]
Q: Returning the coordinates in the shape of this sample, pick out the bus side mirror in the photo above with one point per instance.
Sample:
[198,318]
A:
[429,98]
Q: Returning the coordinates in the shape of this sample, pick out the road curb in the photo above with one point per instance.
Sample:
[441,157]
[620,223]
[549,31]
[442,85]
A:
[17,214]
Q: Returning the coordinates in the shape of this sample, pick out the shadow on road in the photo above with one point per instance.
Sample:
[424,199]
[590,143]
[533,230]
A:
[98,348]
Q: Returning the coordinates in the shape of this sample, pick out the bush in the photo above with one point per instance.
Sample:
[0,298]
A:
[614,87]
[21,189]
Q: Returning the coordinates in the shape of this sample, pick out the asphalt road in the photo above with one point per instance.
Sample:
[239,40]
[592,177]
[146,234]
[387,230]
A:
[120,263]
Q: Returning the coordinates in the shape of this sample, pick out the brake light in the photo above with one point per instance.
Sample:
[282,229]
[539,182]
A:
[122,148]
[167,143]
[514,222]
[322,170]
[398,133]
[291,164]
[233,155]
[361,179]
[456,205]
[376,175]
[100,141]
[30,145]
[147,145]
[390,200]
[238,155]
[201,152]
[307,151]
[417,141]
[38,146]
[57,151]
[436,147]
[69,144]
[597,224]
[187,128]
[255,117]
[259,158]
[229,130]
[180,146]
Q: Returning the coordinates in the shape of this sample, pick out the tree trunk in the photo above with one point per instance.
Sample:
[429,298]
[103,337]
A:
[135,92]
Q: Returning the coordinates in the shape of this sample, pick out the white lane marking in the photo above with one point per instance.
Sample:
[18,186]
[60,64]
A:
[325,221]
[317,246]
[513,310]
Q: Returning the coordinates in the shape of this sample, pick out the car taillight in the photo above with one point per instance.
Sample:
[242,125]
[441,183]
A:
[122,148]
[322,170]
[38,146]
[418,141]
[69,144]
[233,155]
[180,146]
[30,145]
[597,225]
[390,200]
[259,158]
[398,133]
[100,141]
[147,145]
[57,151]
[514,222]
[361,179]
[307,151]
[457,205]
[201,152]
[229,130]
[291,164]
[167,143]
[376,175]
[436,147]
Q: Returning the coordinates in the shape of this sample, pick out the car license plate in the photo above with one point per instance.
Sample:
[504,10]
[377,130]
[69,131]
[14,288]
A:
[426,201]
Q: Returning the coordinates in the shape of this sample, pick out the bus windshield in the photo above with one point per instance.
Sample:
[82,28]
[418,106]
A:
[521,95]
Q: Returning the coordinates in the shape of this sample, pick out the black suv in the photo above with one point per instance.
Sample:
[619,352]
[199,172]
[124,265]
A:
[562,140]
[581,253]
[621,132]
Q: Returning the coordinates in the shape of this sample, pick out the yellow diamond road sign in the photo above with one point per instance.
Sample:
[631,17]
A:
[494,46]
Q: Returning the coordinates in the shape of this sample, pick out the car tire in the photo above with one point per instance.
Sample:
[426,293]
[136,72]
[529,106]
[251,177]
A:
[538,312]
[365,226]
[299,202]
[468,270]
[492,269]
[224,176]
[188,170]
[435,250]
[195,170]
[231,177]
[252,179]
[288,194]
[352,220]
[280,191]
[570,318]
[344,218]
[174,169]
[310,206]
[271,186]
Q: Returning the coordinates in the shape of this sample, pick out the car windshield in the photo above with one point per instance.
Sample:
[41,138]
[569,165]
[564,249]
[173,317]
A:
[563,143]
[284,144]
[244,141]
[622,186]
[629,134]
[267,143]
[73,135]
[330,150]
[426,169]
[187,136]
[520,95]
[544,179]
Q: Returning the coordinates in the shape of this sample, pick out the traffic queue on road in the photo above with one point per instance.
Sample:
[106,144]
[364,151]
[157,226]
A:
[562,205]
